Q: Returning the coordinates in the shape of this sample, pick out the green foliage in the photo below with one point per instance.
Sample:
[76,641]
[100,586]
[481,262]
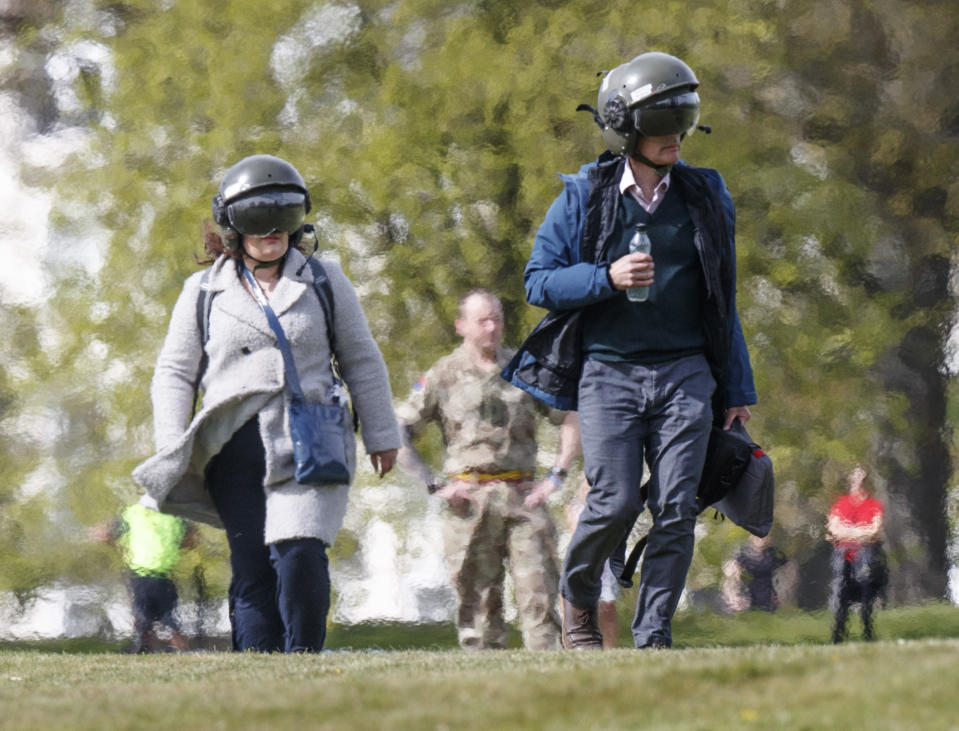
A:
[430,134]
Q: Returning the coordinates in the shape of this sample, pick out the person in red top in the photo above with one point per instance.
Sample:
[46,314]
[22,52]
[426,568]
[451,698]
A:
[854,526]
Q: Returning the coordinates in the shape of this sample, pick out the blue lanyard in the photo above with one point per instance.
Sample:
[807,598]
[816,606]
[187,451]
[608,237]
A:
[291,377]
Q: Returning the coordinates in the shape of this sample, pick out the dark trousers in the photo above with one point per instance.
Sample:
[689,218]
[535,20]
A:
[154,600]
[627,412]
[280,594]
[860,578]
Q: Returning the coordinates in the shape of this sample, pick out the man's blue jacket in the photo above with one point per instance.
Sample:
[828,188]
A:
[566,274]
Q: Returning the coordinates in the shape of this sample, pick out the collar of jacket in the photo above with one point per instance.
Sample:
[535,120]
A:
[225,277]
[602,205]
[710,233]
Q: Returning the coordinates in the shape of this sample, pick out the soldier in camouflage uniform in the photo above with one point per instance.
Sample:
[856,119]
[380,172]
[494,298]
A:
[496,512]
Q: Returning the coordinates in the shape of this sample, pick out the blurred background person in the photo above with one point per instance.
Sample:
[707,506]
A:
[860,571]
[151,544]
[749,577]
[496,512]
[232,463]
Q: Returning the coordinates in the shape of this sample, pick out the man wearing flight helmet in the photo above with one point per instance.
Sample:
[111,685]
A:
[231,463]
[649,377]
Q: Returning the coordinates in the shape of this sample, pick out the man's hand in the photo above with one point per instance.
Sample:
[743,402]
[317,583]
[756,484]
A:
[736,412]
[541,490]
[632,270]
[383,461]
[100,533]
[457,494]
[836,530]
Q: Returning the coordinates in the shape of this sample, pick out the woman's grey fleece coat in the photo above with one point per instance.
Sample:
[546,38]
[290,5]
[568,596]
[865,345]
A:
[245,377]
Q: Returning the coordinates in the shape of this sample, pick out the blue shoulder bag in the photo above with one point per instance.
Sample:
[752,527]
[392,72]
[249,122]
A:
[318,429]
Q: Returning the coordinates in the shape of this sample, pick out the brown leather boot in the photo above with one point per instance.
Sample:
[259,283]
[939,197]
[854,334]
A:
[581,628]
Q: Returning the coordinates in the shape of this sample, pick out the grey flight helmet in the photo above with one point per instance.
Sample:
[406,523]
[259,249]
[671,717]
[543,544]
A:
[650,96]
[261,194]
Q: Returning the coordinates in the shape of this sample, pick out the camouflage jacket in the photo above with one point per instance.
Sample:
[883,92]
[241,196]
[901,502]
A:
[488,425]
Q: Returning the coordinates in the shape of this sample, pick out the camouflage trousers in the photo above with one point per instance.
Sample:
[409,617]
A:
[494,531]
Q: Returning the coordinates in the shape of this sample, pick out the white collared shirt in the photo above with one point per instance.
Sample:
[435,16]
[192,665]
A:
[627,184]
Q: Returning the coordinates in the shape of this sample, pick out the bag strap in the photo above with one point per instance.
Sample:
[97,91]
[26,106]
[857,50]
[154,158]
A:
[625,578]
[292,379]
[624,567]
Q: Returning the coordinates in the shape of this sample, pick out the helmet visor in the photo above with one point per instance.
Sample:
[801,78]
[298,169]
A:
[268,212]
[669,115]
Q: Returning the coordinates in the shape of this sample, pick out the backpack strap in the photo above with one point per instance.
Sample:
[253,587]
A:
[321,283]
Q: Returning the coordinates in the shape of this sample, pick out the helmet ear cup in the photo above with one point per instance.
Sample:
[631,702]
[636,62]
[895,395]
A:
[219,211]
[296,237]
[231,239]
[616,114]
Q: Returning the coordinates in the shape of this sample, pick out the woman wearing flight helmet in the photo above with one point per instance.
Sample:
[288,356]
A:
[231,464]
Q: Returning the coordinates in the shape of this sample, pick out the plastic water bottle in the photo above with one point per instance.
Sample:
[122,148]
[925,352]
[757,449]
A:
[641,244]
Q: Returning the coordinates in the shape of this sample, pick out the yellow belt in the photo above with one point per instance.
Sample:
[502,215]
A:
[511,476]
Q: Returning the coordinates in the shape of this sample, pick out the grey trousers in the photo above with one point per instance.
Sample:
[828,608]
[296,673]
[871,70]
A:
[627,412]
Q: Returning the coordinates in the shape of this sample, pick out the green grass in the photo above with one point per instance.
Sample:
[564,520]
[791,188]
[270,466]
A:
[708,629]
[694,629]
[884,685]
[746,671]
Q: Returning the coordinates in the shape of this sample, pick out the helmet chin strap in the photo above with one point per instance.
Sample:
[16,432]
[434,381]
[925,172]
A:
[660,170]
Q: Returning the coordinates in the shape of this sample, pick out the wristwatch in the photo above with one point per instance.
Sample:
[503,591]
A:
[556,475]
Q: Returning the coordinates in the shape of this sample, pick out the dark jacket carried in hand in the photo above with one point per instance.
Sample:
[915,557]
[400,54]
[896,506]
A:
[567,269]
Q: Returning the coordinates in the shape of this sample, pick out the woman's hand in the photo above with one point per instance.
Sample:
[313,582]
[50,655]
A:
[383,461]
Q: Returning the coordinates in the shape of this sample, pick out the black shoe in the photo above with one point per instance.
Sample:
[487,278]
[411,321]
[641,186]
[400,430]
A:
[581,628]
[655,644]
